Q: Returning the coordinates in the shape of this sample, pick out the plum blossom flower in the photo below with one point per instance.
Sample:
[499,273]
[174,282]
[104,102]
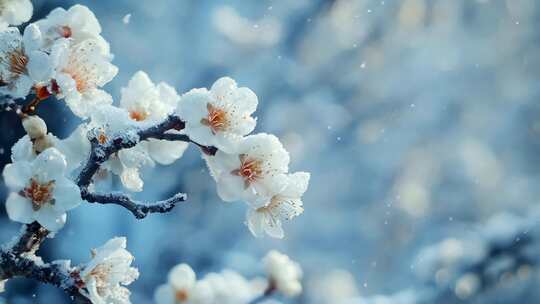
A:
[40,190]
[80,70]
[148,103]
[22,64]
[106,122]
[218,117]
[229,287]
[285,205]
[283,273]
[105,276]
[78,23]
[183,288]
[14,12]
[254,172]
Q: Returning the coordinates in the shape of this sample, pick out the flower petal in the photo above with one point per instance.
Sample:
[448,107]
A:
[182,277]
[19,209]
[17,175]
[50,218]
[67,195]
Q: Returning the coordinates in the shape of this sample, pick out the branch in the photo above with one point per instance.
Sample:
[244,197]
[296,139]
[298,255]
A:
[139,209]
[13,265]
[100,153]
[30,239]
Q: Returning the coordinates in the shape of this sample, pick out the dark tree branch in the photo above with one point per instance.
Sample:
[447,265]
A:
[30,239]
[139,209]
[13,265]
[100,153]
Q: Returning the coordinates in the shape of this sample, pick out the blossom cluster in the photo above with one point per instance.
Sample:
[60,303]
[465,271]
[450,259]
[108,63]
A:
[229,287]
[65,57]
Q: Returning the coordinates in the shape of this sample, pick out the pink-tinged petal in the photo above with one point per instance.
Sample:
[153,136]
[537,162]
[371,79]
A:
[19,209]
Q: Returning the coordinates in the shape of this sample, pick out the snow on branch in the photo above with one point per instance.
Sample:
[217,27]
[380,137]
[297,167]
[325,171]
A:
[139,209]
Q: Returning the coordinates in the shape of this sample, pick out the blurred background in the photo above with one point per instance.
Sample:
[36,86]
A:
[419,121]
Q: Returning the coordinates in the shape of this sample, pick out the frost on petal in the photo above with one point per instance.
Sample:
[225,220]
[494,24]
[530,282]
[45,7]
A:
[15,12]
[17,174]
[67,195]
[19,209]
[22,150]
[49,218]
[13,64]
[49,165]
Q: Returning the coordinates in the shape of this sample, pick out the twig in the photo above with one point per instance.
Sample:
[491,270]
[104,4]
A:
[139,209]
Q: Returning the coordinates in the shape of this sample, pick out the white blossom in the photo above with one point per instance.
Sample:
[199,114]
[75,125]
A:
[183,288]
[40,190]
[283,273]
[219,117]
[78,24]
[14,12]
[80,70]
[107,122]
[148,103]
[22,64]
[255,172]
[285,205]
[229,287]
[108,272]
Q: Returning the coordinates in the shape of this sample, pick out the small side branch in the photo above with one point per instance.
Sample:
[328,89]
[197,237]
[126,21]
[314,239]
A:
[139,209]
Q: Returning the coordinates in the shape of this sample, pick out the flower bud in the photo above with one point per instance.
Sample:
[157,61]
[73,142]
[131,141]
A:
[34,126]
[43,143]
